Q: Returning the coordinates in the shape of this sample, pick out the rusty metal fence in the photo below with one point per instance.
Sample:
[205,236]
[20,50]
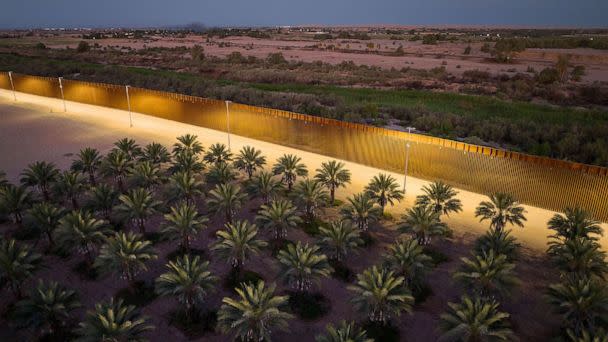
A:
[543,182]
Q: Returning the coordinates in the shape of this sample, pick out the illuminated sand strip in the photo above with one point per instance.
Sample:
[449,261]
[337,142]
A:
[29,131]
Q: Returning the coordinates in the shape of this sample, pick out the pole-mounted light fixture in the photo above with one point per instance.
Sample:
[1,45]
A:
[228,120]
[407,155]
[129,105]
[62,97]
[10,77]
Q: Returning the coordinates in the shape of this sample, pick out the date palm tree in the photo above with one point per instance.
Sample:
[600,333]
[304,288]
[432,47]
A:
[45,218]
[599,335]
[88,161]
[475,319]
[125,255]
[487,274]
[339,239]
[129,147]
[361,211]
[333,175]
[582,303]
[500,210]
[500,241]
[379,294]
[189,279]
[113,321]
[81,232]
[186,161]
[221,173]
[217,154]
[254,314]
[183,223]
[265,186]
[344,332]
[156,154]
[40,175]
[187,143]
[48,308]
[290,168]
[237,242]
[146,175]
[441,197]
[580,257]
[407,259]
[384,190]
[117,164]
[226,199]
[14,200]
[184,186]
[249,160]
[575,223]
[102,199]
[137,206]
[424,223]
[70,185]
[310,195]
[279,216]
[301,265]
[17,263]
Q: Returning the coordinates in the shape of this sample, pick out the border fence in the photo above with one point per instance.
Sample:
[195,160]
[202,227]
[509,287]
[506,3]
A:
[543,182]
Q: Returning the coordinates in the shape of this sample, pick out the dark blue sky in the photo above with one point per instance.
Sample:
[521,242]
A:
[138,13]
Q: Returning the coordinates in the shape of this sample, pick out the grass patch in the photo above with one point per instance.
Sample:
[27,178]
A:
[380,332]
[341,271]
[235,279]
[140,295]
[179,252]
[437,256]
[86,270]
[308,306]
[197,325]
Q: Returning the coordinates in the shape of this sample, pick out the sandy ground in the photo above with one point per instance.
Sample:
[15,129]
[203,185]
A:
[36,128]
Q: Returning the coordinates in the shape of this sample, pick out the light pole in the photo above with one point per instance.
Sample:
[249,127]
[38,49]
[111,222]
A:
[129,105]
[10,77]
[407,155]
[62,97]
[228,120]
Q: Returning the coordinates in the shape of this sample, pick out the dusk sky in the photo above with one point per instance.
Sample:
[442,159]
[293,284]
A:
[140,13]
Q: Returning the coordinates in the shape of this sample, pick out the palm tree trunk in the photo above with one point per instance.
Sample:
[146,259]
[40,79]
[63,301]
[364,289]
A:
[332,193]
[142,227]
[186,243]
[74,203]
[18,217]
[50,237]
[92,178]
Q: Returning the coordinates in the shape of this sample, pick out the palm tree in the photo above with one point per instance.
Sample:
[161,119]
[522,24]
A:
[187,143]
[40,175]
[48,308]
[408,260]
[581,257]
[361,211]
[3,181]
[423,222]
[265,186]
[45,218]
[255,313]
[184,223]
[487,274]
[156,154]
[71,185]
[125,255]
[221,173]
[17,263]
[237,242]
[575,223]
[102,199]
[249,160]
[146,175]
[14,200]
[82,232]
[440,196]
[89,161]
[188,279]
[599,335]
[345,332]
[138,205]
[129,147]
[301,265]
[278,216]
[474,320]
[218,153]
[502,209]
[311,195]
[384,189]
[379,294]
[290,167]
[339,239]
[184,186]
[333,175]
[582,303]
[500,241]
[226,198]
[113,321]
[117,165]
[187,162]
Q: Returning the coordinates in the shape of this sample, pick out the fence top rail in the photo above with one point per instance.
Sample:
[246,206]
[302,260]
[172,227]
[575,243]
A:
[413,137]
